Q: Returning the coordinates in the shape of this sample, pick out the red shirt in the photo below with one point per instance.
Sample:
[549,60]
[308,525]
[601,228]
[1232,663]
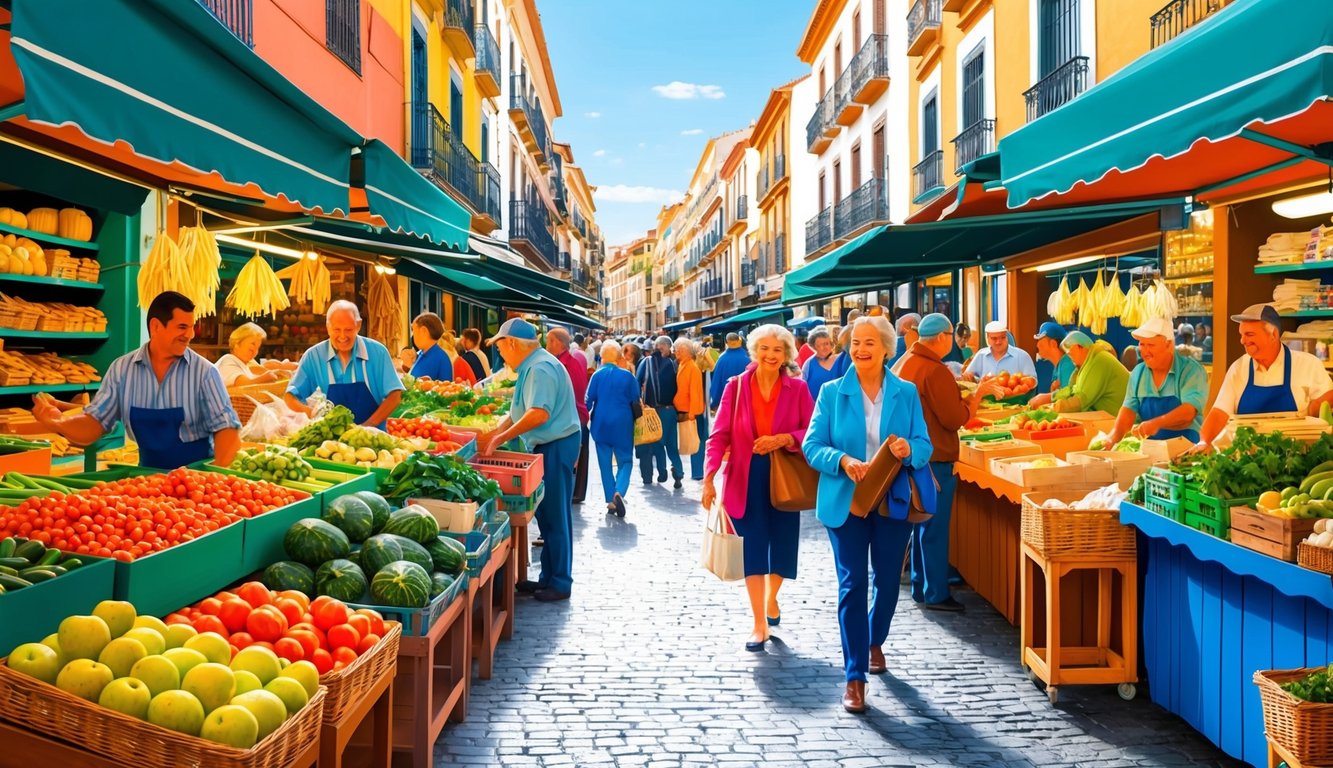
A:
[804,353]
[577,367]
[764,407]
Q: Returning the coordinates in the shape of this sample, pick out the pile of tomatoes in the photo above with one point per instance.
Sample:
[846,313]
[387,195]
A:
[435,431]
[324,632]
[138,516]
[1012,384]
[442,387]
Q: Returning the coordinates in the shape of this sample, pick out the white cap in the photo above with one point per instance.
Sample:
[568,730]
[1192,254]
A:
[1158,326]
[997,326]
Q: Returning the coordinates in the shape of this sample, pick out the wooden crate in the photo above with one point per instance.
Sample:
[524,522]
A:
[493,602]
[432,683]
[1110,466]
[1095,421]
[1062,474]
[1274,536]
[979,454]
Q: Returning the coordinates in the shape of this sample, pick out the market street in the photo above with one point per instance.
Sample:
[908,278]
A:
[644,666]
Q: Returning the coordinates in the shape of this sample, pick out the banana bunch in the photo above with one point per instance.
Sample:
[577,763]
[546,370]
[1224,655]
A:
[258,291]
[310,281]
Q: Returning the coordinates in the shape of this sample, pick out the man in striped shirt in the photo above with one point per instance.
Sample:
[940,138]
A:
[172,400]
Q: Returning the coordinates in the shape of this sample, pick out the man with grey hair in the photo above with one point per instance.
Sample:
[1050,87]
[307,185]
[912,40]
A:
[352,370]
[906,326]
[657,379]
[558,344]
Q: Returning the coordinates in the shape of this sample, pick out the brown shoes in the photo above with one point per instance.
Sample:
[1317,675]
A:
[854,698]
[876,666]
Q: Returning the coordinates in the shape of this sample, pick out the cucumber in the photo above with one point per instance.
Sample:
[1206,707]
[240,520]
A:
[51,557]
[22,480]
[5,569]
[36,575]
[70,563]
[7,547]
[30,551]
[16,562]
[12,583]
[52,485]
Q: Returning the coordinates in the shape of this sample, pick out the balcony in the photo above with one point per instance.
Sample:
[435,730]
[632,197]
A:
[1058,88]
[923,26]
[954,6]
[864,207]
[557,184]
[928,176]
[715,288]
[488,216]
[526,114]
[236,15]
[459,24]
[819,231]
[975,140]
[772,177]
[445,160]
[530,233]
[1180,15]
[816,139]
[870,70]
[563,261]
[748,274]
[845,111]
[780,254]
[488,62]
[741,219]
[761,255]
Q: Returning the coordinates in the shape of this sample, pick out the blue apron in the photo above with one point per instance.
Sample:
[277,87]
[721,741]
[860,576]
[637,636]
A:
[355,396]
[1153,407]
[158,433]
[1277,399]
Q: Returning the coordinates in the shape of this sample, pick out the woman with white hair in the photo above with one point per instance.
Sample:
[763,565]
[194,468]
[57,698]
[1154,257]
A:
[234,366]
[612,397]
[689,400]
[763,410]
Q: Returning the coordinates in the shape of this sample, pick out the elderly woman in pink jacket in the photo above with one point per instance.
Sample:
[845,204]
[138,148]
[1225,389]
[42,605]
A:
[763,410]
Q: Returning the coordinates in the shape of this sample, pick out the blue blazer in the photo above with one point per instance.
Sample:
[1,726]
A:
[837,429]
[611,395]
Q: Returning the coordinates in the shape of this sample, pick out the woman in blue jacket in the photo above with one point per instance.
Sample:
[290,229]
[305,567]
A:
[853,417]
[612,393]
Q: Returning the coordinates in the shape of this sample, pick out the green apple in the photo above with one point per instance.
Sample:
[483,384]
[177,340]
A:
[259,661]
[177,634]
[127,695]
[122,654]
[234,726]
[212,645]
[291,692]
[52,641]
[85,678]
[152,640]
[177,710]
[151,622]
[212,684]
[83,637]
[304,673]
[246,682]
[267,708]
[118,615]
[159,673]
[36,660]
[185,659]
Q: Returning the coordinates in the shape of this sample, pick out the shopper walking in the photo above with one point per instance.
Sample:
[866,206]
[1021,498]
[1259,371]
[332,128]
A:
[852,419]
[657,378]
[630,355]
[470,342]
[689,401]
[612,399]
[763,410]
[819,368]
[732,362]
[558,344]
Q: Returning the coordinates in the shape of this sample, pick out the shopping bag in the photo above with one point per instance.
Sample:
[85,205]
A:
[793,485]
[687,437]
[648,427]
[723,552]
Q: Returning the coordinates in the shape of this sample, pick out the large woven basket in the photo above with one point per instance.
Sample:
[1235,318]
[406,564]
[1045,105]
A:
[243,398]
[348,686]
[1070,532]
[1304,728]
[128,740]
[1315,558]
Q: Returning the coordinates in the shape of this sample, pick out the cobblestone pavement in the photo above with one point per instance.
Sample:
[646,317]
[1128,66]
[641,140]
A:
[645,666]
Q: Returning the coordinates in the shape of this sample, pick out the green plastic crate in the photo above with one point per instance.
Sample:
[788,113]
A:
[162,582]
[1208,525]
[27,615]
[264,533]
[521,504]
[1213,509]
[1164,493]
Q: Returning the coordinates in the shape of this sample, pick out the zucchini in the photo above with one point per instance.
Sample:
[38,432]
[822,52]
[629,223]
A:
[7,547]
[22,480]
[30,551]
[52,485]
[51,557]
[5,569]
[16,562]
[70,563]
[12,583]
[74,482]
[36,575]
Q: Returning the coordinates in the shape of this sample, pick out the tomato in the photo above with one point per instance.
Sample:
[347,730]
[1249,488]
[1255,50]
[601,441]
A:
[176,618]
[291,609]
[241,639]
[289,649]
[266,623]
[376,620]
[367,642]
[322,660]
[360,623]
[255,593]
[264,644]
[210,606]
[233,613]
[309,641]
[210,624]
[343,636]
[298,596]
[344,656]
[329,613]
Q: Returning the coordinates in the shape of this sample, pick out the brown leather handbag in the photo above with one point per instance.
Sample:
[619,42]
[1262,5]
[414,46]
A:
[792,483]
[873,489]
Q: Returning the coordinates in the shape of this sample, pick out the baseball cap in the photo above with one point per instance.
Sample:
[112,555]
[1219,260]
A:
[1078,338]
[1184,328]
[1258,312]
[515,328]
[1051,330]
[933,325]
[1158,326]
[997,326]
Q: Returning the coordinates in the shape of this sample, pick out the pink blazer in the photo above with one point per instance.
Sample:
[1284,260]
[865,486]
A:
[733,431]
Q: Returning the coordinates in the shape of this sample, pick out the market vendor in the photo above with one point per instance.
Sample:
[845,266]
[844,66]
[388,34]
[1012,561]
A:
[238,366]
[1268,378]
[350,369]
[999,356]
[1048,337]
[171,399]
[1099,380]
[432,361]
[1167,391]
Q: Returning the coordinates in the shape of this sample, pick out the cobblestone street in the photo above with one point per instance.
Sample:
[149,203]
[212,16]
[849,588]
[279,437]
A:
[645,666]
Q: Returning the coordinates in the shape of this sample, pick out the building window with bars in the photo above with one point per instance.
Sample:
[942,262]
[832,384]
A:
[342,27]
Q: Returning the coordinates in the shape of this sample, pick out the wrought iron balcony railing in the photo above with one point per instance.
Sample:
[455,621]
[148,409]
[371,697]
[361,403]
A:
[924,17]
[815,140]
[1058,88]
[529,222]
[236,15]
[870,70]
[742,207]
[819,230]
[928,174]
[780,254]
[524,103]
[976,140]
[867,204]
[443,155]
[488,53]
[1180,15]
[747,274]
[460,15]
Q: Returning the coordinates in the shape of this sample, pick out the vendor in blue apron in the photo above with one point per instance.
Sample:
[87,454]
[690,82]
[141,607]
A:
[1167,392]
[350,369]
[171,400]
[1268,378]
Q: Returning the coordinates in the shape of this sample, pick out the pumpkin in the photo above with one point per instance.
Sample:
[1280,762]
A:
[4,259]
[10,240]
[39,266]
[75,224]
[33,248]
[13,218]
[45,220]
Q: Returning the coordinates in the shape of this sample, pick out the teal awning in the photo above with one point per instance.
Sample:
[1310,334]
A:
[895,253]
[462,283]
[410,203]
[684,325]
[534,282]
[756,315]
[571,318]
[46,175]
[166,78]
[1243,94]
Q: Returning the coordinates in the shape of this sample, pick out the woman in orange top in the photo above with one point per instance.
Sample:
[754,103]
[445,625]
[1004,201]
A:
[689,400]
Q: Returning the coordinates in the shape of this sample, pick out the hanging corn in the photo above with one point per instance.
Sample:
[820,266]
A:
[258,291]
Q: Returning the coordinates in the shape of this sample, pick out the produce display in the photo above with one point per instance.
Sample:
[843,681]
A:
[257,290]
[1323,534]
[1254,464]
[1092,305]
[24,563]
[1316,687]
[442,476]
[1040,421]
[1127,444]
[1106,497]
[22,256]
[189,267]
[451,403]
[310,281]
[1045,462]
[1012,384]
[330,426]
[275,464]
[426,429]
[12,444]
[344,453]
[1312,498]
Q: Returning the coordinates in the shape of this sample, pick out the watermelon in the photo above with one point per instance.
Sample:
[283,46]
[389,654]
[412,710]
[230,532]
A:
[288,574]
[414,522]
[341,580]
[413,552]
[379,551]
[439,582]
[401,584]
[352,516]
[313,541]
[448,555]
[379,508]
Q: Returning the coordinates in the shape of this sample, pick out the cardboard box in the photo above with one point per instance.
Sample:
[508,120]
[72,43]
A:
[1110,466]
[1095,421]
[1014,469]
[1166,450]
[979,453]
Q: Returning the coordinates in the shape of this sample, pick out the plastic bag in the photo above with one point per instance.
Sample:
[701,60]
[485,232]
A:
[264,423]
[1100,442]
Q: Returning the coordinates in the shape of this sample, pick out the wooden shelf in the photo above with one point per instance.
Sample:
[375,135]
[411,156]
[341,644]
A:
[7,277]
[42,237]
[1310,266]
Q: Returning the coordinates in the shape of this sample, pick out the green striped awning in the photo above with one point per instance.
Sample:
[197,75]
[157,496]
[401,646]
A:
[410,203]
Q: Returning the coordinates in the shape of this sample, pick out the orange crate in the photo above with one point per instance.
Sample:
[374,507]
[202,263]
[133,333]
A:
[518,474]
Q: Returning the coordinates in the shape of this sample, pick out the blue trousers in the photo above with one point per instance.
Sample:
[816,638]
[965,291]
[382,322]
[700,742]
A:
[884,541]
[771,538]
[555,515]
[697,460]
[930,544]
[616,481]
[659,452]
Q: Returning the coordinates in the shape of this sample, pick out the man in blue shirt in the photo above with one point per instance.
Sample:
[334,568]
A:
[1048,339]
[171,400]
[1167,391]
[349,369]
[657,379]
[732,362]
[545,415]
[999,356]
[432,363]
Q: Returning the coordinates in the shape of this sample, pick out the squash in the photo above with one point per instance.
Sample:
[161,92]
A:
[10,240]
[13,218]
[45,220]
[39,265]
[4,258]
[23,267]
[33,248]
[75,224]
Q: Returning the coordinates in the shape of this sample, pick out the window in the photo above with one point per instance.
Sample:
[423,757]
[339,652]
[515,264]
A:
[837,181]
[342,29]
[421,127]
[880,27]
[974,84]
[821,82]
[456,107]
[823,198]
[856,165]
[880,149]
[930,126]
[1058,38]
[837,57]
[856,27]
[485,140]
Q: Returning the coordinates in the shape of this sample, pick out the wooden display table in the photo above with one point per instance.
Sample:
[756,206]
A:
[432,684]
[519,521]
[492,597]
[1278,755]
[374,713]
[24,749]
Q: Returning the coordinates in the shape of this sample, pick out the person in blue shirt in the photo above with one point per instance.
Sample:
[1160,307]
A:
[432,363]
[545,415]
[732,362]
[657,379]
[906,327]
[818,370]
[350,369]
[1048,339]
[999,355]
[1167,392]
[612,395]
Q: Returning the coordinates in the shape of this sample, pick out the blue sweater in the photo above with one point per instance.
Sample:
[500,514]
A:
[732,362]
[612,391]
[433,362]
[657,377]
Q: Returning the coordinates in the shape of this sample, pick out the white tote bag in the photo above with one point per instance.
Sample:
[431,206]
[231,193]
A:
[723,553]
[687,437]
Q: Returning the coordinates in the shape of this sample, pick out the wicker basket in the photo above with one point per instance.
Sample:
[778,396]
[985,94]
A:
[1070,532]
[347,687]
[1315,558]
[243,398]
[1304,728]
[128,740]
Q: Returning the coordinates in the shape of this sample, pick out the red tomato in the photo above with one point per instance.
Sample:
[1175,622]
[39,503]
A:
[376,620]
[289,649]
[309,641]
[367,642]
[242,639]
[210,606]
[263,644]
[298,596]
[266,623]
[360,623]
[322,660]
[291,609]
[176,618]
[210,624]
[344,656]
[255,593]
[343,636]
[328,614]
[234,612]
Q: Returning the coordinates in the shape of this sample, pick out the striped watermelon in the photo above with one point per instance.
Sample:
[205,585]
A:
[340,579]
[448,555]
[414,522]
[289,574]
[401,584]
[379,551]
[413,552]
[313,541]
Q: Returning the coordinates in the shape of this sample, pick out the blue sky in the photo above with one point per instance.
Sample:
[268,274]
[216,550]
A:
[645,83]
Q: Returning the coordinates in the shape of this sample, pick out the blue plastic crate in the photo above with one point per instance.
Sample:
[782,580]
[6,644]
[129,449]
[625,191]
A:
[478,545]
[418,621]
[522,504]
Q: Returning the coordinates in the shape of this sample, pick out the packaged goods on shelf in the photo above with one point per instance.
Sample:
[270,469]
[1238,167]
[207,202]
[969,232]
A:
[18,369]
[1284,248]
[49,316]
[1292,294]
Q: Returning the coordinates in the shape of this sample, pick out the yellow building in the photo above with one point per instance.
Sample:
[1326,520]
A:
[670,263]
[772,137]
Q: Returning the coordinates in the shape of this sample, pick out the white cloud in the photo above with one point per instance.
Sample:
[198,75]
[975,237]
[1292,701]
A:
[623,193]
[592,115]
[599,153]
[692,132]
[678,90]
[643,144]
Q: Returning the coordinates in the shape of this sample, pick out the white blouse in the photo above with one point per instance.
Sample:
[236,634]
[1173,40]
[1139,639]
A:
[873,409]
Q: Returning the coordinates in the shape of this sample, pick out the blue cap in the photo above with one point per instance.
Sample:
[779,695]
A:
[1051,330]
[515,328]
[933,325]
[1078,338]
[1259,313]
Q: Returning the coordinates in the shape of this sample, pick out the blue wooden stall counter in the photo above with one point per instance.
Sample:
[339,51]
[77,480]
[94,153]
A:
[1213,614]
